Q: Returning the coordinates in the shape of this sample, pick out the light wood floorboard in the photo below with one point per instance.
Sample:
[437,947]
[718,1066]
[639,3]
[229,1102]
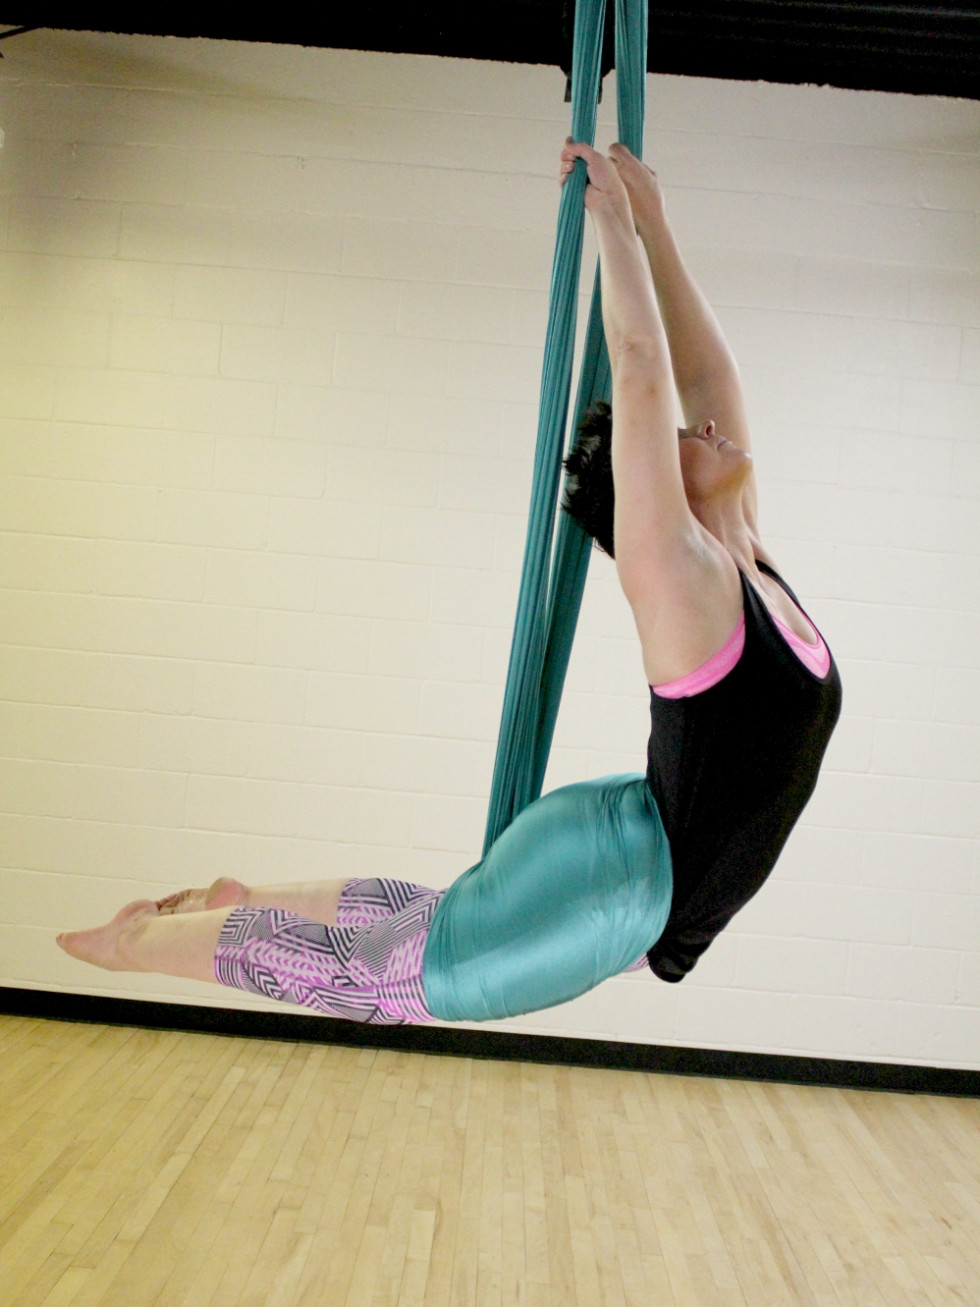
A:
[156,1169]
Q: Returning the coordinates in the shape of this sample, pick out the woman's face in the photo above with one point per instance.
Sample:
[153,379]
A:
[712,467]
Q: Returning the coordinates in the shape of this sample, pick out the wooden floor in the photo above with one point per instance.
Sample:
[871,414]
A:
[184,1170]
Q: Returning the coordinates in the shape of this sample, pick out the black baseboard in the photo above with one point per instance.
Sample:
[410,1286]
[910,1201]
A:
[456,1042]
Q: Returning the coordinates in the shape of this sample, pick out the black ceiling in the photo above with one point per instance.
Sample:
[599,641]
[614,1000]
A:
[867,44]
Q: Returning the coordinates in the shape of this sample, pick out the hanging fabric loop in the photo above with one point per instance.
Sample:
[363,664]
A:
[551,593]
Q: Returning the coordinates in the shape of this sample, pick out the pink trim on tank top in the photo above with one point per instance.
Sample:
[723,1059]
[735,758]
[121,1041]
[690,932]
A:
[710,673]
[814,657]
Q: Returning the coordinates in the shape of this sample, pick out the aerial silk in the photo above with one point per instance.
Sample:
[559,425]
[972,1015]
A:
[554,569]
[574,891]
[572,888]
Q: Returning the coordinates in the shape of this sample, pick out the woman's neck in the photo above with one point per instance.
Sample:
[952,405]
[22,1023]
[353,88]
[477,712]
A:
[725,520]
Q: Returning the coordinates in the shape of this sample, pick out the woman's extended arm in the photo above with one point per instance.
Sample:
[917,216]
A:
[705,370]
[681,584]
[644,450]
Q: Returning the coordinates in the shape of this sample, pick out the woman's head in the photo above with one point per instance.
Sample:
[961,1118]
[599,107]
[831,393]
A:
[714,472]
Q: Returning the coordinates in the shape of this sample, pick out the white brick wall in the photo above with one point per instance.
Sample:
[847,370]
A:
[270,329]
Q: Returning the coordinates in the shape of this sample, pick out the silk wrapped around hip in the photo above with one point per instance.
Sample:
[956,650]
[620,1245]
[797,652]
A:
[574,891]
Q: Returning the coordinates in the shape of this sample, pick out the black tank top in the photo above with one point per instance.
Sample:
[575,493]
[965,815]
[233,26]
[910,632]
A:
[731,770]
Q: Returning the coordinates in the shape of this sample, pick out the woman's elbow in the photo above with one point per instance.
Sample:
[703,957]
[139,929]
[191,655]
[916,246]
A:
[638,367]
[635,349]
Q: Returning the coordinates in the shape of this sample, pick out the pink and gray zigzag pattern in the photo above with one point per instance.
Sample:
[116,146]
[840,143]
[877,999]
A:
[367,968]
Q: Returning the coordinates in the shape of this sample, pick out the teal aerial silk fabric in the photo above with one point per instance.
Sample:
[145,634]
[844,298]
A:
[574,887]
[551,591]
[574,891]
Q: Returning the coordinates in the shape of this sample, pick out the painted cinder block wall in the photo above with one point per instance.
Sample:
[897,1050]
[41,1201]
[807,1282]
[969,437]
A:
[271,324]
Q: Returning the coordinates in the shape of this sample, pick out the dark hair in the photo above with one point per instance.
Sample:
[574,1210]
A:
[589,495]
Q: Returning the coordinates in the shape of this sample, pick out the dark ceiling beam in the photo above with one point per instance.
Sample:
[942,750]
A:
[930,48]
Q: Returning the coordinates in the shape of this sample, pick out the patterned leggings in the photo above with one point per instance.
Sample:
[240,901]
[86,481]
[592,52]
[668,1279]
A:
[366,968]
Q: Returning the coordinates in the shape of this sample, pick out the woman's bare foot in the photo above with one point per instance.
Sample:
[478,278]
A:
[141,938]
[105,946]
[224,893]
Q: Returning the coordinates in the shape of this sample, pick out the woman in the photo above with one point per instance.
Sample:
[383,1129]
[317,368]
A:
[591,877]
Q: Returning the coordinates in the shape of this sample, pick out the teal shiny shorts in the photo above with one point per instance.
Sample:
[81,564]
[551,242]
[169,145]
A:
[574,891]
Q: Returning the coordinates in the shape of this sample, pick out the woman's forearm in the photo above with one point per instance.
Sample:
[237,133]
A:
[698,349]
[630,313]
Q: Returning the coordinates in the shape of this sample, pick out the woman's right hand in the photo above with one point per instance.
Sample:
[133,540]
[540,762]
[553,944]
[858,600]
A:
[605,186]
